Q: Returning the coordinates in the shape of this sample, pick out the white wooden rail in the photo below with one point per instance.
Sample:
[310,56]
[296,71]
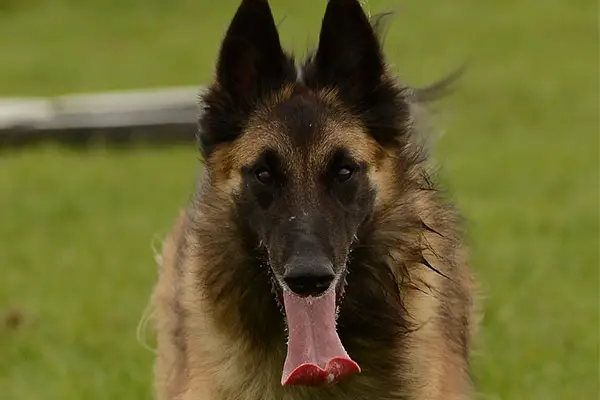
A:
[152,115]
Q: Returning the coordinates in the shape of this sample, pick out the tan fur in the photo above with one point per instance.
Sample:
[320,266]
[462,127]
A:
[168,371]
[439,373]
[215,365]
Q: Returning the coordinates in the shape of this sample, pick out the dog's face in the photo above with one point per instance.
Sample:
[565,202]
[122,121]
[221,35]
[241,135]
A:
[304,189]
[300,152]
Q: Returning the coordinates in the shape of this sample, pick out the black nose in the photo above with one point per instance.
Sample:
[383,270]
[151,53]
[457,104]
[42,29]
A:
[308,277]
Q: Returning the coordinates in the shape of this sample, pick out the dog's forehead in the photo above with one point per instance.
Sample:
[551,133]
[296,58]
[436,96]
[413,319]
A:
[301,120]
[308,128]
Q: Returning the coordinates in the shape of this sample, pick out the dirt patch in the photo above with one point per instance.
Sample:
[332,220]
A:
[12,320]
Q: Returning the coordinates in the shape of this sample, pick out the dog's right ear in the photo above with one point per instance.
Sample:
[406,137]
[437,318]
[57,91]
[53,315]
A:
[251,64]
[251,61]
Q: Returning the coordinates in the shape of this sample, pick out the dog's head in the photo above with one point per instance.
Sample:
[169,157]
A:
[304,151]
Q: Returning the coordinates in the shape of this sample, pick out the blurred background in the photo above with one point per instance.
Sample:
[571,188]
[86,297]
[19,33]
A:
[519,154]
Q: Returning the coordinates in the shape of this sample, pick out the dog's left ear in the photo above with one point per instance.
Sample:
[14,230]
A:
[349,55]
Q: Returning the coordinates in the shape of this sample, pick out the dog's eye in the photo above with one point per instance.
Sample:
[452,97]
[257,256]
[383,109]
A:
[344,173]
[264,176]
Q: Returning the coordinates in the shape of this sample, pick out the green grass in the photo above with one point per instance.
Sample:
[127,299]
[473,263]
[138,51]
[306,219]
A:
[520,154]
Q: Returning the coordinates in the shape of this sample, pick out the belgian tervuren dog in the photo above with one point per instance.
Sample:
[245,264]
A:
[316,259]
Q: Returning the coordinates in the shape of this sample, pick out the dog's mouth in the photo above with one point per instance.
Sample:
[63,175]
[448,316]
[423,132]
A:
[315,354]
[277,289]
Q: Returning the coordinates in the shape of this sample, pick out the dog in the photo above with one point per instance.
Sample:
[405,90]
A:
[316,258]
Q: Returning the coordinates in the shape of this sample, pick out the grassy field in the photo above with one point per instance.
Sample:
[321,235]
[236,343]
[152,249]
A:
[519,153]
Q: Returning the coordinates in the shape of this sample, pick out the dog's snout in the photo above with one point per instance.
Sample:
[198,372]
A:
[308,276]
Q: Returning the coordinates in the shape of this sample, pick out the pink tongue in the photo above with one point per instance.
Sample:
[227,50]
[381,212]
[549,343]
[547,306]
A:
[315,355]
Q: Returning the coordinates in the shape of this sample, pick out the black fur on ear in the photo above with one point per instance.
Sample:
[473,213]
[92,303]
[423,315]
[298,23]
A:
[251,64]
[350,59]
[349,56]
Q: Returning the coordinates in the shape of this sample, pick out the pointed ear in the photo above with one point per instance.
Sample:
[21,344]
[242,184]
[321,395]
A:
[251,63]
[251,60]
[349,54]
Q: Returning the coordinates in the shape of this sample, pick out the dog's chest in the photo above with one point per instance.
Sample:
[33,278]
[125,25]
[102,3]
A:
[356,388]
